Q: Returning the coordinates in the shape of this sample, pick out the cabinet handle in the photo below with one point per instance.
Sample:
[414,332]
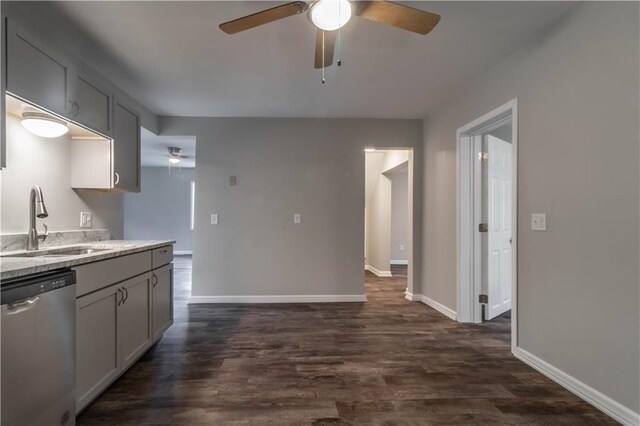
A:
[77,110]
[121,296]
[154,280]
[117,178]
[126,295]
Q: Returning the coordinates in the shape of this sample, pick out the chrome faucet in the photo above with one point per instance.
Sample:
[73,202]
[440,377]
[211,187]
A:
[36,208]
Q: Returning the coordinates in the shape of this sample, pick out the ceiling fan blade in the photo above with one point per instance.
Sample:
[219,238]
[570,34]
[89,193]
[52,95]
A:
[398,15]
[264,17]
[329,46]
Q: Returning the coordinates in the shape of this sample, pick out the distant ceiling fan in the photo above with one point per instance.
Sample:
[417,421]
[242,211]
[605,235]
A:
[331,15]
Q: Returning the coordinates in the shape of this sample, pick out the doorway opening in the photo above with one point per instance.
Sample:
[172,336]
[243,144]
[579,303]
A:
[388,233]
[487,218]
[168,190]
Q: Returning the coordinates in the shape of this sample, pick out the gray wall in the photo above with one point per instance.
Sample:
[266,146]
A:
[578,293]
[32,160]
[399,215]
[162,209]
[284,166]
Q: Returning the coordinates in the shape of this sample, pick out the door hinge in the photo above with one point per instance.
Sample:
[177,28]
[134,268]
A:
[483,156]
[483,298]
[483,227]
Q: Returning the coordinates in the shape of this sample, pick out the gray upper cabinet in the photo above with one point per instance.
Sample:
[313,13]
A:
[3,84]
[92,103]
[126,148]
[35,73]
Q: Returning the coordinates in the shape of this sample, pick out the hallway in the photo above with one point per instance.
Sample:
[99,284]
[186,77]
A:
[387,361]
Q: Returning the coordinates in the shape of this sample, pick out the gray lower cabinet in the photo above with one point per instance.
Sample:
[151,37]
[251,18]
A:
[161,300]
[113,327]
[97,350]
[134,319]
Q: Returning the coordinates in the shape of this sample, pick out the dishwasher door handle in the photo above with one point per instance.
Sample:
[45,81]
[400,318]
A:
[17,307]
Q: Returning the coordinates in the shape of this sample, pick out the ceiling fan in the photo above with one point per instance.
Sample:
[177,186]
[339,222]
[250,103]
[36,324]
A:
[331,15]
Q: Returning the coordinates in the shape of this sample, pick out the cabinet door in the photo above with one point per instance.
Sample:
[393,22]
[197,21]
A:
[3,107]
[162,300]
[134,319]
[126,148]
[93,104]
[97,354]
[35,73]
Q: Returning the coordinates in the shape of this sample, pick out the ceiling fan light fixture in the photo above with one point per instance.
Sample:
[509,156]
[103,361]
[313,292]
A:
[43,125]
[330,15]
[174,155]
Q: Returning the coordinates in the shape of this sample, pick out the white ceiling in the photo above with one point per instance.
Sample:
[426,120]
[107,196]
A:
[172,57]
[155,149]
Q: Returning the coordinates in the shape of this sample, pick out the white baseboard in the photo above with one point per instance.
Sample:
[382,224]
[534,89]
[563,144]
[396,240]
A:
[412,297]
[381,274]
[182,252]
[439,307]
[399,262]
[602,402]
[297,298]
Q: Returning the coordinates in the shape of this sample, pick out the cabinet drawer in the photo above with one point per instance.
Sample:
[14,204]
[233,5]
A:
[97,275]
[162,256]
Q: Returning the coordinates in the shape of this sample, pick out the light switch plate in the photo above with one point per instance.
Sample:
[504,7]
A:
[538,222]
[214,219]
[85,220]
[297,218]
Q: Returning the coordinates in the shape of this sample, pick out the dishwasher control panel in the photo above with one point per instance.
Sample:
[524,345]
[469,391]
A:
[23,288]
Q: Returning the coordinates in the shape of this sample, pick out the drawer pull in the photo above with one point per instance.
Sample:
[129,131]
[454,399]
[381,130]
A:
[154,280]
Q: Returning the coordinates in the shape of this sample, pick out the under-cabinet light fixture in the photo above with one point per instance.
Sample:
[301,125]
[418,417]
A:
[44,125]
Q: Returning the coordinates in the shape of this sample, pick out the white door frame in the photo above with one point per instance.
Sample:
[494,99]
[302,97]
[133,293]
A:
[468,214]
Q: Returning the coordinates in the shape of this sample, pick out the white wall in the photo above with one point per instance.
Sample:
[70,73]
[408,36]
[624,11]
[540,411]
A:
[162,209]
[284,166]
[32,160]
[578,161]
[399,215]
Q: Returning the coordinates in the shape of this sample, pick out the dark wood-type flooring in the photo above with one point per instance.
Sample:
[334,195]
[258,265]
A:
[388,361]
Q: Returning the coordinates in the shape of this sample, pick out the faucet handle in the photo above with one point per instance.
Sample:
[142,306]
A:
[46,233]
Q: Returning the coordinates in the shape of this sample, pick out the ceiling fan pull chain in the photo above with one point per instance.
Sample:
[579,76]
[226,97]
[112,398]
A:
[323,80]
[339,49]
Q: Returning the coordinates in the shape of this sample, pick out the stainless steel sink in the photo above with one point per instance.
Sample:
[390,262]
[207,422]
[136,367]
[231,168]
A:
[63,252]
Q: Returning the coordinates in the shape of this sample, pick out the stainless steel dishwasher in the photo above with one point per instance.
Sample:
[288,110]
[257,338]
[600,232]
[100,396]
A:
[38,321]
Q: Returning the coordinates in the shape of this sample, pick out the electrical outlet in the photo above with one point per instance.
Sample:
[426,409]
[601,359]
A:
[297,218]
[85,220]
[538,222]
[401,247]
[214,219]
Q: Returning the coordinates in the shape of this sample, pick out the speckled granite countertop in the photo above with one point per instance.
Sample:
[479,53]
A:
[14,267]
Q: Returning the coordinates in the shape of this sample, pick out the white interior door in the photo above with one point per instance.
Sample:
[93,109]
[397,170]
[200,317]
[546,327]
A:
[499,220]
